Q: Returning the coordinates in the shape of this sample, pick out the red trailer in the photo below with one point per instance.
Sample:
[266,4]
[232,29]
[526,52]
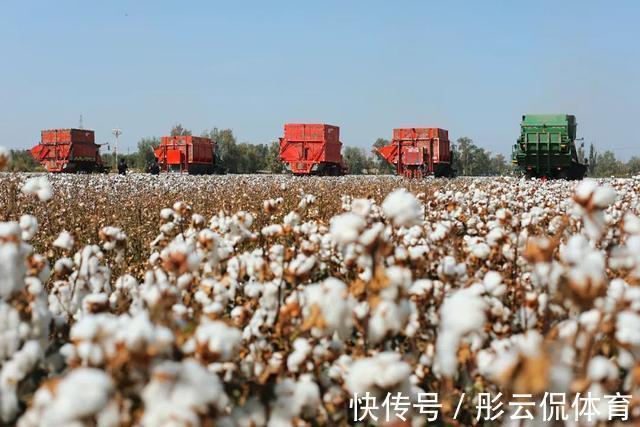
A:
[418,152]
[189,154]
[68,150]
[308,149]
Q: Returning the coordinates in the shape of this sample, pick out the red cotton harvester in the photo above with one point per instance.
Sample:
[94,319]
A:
[418,152]
[312,149]
[68,150]
[186,154]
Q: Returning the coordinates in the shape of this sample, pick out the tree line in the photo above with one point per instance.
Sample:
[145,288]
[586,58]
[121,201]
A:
[246,158]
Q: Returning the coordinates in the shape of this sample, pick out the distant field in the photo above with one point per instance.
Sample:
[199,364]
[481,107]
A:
[271,300]
[83,204]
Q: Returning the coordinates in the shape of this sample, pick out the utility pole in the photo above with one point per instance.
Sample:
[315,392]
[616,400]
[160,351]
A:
[81,124]
[116,132]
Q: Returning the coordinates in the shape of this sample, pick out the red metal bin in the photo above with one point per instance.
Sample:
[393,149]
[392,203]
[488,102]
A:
[312,149]
[417,152]
[68,150]
[187,154]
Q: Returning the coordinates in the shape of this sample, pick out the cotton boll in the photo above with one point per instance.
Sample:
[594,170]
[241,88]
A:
[346,228]
[361,207]
[64,241]
[272,230]
[294,399]
[306,200]
[334,303]
[82,394]
[631,224]
[291,219]
[12,259]
[251,414]
[179,257]
[179,391]
[601,368]
[590,319]
[38,186]
[499,361]
[495,236]
[590,201]
[421,287]
[493,285]
[461,313]
[167,214]
[379,375]
[386,318]
[480,250]
[384,371]
[140,333]
[301,350]
[585,189]
[402,208]
[217,341]
[440,232]
[450,268]
[12,372]
[29,226]
[604,196]
[628,328]
[302,265]
[371,234]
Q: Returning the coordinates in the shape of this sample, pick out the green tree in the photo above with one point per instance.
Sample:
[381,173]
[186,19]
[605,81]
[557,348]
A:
[499,165]
[356,160]
[633,166]
[274,165]
[464,156]
[179,130]
[251,158]
[593,160]
[145,154]
[227,152]
[480,161]
[607,165]
[469,159]
[23,161]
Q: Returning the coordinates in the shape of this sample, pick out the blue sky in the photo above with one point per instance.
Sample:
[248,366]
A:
[472,67]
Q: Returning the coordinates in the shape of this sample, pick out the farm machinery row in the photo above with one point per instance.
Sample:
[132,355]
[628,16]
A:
[75,150]
[305,149]
[546,148]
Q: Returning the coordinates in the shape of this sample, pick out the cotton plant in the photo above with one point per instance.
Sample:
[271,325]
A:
[75,278]
[25,317]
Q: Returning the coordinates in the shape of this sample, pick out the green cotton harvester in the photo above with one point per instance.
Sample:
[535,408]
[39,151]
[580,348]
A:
[546,147]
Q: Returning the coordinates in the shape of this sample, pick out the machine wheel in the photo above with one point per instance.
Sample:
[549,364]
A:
[445,172]
[564,174]
[331,170]
[577,172]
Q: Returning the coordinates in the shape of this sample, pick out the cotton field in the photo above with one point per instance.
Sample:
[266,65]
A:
[277,301]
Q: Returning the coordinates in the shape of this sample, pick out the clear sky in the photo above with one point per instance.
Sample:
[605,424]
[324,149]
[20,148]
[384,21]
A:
[473,67]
